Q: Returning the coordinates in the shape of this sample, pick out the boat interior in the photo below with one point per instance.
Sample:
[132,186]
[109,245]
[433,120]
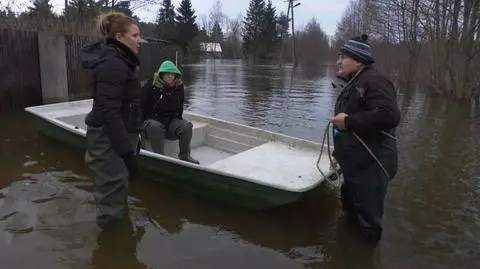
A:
[240,150]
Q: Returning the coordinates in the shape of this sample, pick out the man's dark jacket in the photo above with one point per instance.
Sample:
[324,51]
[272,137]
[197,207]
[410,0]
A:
[371,104]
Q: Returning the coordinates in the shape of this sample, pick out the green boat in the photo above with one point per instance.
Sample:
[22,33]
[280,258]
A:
[239,165]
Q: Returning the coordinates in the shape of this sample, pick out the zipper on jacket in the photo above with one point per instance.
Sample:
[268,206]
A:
[130,106]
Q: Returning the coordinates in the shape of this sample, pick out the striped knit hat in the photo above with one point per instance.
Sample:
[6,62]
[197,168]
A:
[359,49]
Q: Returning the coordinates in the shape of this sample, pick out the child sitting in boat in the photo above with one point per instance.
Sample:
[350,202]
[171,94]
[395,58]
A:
[162,105]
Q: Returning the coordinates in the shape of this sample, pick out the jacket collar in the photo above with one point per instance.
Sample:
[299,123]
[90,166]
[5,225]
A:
[127,54]
[159,83]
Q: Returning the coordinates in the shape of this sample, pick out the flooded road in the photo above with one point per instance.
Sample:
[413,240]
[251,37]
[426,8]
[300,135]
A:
[432,217]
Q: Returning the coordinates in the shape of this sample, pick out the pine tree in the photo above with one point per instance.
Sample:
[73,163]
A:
[7,16]
[217,35]
[187,26]
[261,37]
[41,8]
[284,24]
[253,27]
[167,13]
[166,21]
[203,36]
[270,35]
[6,13]
[78,9]
[186,14]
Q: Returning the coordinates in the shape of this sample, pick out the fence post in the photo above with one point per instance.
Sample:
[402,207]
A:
[53,67]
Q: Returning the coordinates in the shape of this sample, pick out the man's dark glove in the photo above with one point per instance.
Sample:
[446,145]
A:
[131,163]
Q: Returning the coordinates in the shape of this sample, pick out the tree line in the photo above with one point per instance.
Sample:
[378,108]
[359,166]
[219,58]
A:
[76,18]
[262,35]
[428,43]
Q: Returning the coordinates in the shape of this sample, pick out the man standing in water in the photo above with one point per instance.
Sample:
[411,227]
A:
[366,115]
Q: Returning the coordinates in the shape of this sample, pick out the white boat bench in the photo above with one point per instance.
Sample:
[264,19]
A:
[275,162]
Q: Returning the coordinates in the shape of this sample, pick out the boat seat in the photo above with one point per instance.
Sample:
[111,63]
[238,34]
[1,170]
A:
[274,162]
[199,132]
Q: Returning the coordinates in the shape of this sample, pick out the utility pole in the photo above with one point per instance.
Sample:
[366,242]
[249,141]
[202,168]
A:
[66,5]
[283,37]
[295,63]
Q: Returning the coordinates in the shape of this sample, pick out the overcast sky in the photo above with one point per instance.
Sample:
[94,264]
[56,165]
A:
[327,12]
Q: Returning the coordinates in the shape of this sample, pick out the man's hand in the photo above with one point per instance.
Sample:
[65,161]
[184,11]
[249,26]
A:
[334,164]
[339,120]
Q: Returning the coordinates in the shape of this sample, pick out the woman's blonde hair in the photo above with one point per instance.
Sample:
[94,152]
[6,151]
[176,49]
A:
[111,23]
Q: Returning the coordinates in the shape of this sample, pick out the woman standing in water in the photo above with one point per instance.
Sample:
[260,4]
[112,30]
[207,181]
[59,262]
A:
[114,123]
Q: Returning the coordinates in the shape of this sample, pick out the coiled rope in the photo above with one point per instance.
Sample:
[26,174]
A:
[336,182]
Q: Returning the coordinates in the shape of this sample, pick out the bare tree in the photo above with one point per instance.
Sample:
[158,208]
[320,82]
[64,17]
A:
[205,23]
[233,39]
[312,41]
[26,16]
[431,43]
[217,16]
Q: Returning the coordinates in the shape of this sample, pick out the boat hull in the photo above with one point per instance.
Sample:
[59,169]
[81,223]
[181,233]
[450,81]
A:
[209,185]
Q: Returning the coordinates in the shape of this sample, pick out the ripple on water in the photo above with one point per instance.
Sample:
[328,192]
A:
[43,201]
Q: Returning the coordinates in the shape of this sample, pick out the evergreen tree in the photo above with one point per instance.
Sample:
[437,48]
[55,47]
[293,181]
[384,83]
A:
[186,14]
[269,32]
[6,13]
[7,17]
[252,27]
[78,9]
[166,21]
[186,22]
[283,24]
[203,36]
[217,35]
[41,8]
[167,13]
[261,36]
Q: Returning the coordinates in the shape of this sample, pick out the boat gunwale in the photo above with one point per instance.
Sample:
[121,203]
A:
[82,132]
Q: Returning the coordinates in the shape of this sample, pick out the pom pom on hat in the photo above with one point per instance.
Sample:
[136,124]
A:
[359,49]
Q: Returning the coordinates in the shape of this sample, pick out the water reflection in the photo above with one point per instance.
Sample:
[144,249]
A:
[280,94]
[187,77]
[258,92]
[296,232]
[350,251]
[437,149]
[117,247]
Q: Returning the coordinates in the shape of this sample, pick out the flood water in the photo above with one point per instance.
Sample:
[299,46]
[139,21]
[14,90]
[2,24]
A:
[431,217]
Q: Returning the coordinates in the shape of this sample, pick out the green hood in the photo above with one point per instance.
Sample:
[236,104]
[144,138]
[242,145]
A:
[169,67]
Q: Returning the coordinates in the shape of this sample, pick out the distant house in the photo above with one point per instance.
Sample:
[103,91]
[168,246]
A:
[211,50]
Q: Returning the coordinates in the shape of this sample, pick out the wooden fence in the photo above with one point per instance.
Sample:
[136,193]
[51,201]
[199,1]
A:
[78,79]
[20,83]
[20,80]
[151,55]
